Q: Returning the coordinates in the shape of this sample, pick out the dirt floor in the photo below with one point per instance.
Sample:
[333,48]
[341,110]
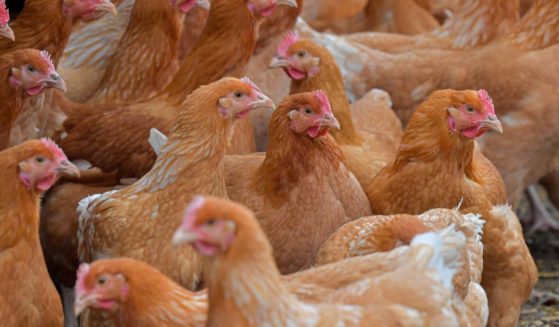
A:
[543,307]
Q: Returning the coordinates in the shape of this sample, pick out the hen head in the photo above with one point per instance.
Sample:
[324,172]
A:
[240,97]
[43,163]
[101,285]
[211,225]
[265,8]
[33,71]
[186,5]
[309,113]
[5,30]
[299,58]
[88,9]
[470,113]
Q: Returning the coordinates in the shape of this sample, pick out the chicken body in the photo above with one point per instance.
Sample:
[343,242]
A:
[300,191]
[375,234]
[435,168]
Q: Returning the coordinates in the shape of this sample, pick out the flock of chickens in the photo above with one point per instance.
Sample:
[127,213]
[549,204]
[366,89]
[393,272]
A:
[399,137]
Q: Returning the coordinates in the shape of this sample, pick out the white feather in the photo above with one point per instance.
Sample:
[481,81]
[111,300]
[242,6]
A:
[157,140]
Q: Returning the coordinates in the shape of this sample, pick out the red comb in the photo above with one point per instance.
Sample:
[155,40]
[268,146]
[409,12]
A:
[48,59]
[4,13]
[289,39]
[54,148]
[323,99]
[486,101]
[81,274]
[250,83]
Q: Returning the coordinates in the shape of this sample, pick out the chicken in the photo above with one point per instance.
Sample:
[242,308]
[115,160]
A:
[190,163]
[438,149]
[384,233]
[58,231]
[223,232]
[138,294]
[5,29]
[90,49]
[400,16]
[28,295]
[302,159]
[319,12]
[55,20]
[477,23]
[26,73]
[152,39]
[312,67]
[97,137]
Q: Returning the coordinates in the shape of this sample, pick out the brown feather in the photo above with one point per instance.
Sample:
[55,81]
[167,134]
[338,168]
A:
[145,60]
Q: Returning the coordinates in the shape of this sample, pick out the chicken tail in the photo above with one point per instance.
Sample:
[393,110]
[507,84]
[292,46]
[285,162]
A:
[440,251]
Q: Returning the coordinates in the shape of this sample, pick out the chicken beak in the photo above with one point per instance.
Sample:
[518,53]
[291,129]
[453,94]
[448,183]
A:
[278,62]
[263,102]
[289,3]
[492,122]
[55,81]
[329,121]
[107,6]
[7,32]
[83,301]
[183,236]
[204,4]
[68,168]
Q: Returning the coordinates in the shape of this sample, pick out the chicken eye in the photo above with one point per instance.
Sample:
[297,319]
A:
[308,111]
[238,95]
[469,109]
[31,69]
[301,54]
[40,159]
[210,222]
[101,280]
